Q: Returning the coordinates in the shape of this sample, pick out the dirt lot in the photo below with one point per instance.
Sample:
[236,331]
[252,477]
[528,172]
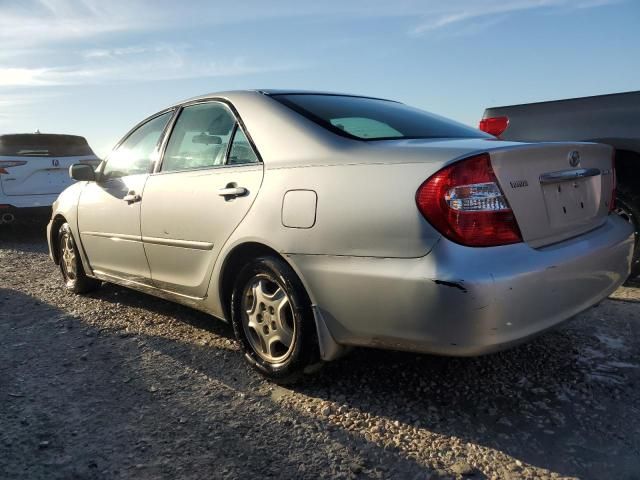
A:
[122,385]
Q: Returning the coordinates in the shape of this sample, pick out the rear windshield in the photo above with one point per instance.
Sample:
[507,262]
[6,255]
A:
[44,145]
[374,119]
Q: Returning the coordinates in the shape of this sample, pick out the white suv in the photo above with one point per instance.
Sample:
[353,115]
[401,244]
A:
[34,169]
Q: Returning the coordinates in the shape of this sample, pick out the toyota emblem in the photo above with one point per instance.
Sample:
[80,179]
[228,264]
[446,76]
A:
[55,162]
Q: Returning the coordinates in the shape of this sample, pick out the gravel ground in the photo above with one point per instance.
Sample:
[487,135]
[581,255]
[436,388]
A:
[118,384]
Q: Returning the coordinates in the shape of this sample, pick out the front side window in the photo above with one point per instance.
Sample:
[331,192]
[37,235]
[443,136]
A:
[137,153]
[199,138]
[373,119]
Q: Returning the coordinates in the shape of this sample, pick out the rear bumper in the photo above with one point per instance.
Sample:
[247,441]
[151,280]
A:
[466,301]
[26,211]
[24,203]
[9,214]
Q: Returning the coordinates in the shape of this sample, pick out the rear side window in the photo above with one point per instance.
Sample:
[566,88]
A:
[44,145]
[373,119]
[241,151]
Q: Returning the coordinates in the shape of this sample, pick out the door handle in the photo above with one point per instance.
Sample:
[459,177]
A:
[132,197]
[232,192]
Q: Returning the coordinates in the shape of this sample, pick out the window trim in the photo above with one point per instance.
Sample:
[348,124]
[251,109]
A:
[161,139]
[237,124]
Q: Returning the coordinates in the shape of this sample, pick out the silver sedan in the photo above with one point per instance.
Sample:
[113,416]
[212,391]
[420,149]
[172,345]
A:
[315,222]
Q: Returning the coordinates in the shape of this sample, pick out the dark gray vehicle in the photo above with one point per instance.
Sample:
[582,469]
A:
[611,119]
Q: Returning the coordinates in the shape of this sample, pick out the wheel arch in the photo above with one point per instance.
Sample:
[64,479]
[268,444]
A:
[242,253]
[236,258]
[627,160]
[628,169]
[57,222]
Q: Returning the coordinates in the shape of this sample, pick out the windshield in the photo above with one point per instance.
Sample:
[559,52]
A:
[44,145]
[374,119]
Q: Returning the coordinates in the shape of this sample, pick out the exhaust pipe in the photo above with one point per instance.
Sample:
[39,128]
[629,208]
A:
[7,218]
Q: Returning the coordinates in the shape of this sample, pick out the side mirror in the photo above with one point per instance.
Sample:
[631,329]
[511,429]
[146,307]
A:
[82,172]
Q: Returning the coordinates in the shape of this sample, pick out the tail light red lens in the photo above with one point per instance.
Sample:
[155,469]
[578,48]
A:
[494,125]
[4,164]
[612,201]
[464,202]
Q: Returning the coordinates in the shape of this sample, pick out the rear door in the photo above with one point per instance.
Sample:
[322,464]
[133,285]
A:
[209,178]
[109,209]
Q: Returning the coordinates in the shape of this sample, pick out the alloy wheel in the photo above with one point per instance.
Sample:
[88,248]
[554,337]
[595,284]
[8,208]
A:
[68,259]
[268,319]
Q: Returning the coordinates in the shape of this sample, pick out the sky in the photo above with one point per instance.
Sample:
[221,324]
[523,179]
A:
[95,67]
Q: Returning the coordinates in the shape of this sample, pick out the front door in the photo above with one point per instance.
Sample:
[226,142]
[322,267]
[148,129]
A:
[109,209]
[209,178]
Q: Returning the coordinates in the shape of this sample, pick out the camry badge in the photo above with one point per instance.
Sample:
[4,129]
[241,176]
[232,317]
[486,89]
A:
[574,158]
[519,184]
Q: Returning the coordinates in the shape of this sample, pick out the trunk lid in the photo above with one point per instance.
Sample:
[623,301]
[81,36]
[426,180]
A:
[40,175]
[556,190]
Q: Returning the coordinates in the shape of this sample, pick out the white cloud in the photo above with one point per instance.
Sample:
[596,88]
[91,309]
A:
[154,69]
[38,23]
[70,42]
[17,106]
[465,11]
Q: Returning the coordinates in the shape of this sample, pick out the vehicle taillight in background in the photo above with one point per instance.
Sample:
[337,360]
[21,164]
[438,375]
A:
[494,125]
[464,202]
[8,164]
[614,180]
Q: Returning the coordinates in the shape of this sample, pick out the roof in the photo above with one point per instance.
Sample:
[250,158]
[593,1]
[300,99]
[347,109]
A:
[230,94]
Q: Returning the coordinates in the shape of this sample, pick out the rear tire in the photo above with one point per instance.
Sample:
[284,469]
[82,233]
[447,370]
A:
[70,263]
[273,321]
[628,207]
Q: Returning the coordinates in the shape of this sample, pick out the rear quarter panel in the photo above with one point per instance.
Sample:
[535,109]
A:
[361,210]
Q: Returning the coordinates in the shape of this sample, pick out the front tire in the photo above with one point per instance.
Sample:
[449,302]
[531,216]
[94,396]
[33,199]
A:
[273,321]
[70,263]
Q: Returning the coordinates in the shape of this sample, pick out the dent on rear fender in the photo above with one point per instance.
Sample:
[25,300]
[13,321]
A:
[458,285]
[468,291]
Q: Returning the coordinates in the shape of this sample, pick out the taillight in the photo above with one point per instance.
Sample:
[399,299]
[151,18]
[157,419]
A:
[614,180]
[8,164]
[494,125]
[464,202]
